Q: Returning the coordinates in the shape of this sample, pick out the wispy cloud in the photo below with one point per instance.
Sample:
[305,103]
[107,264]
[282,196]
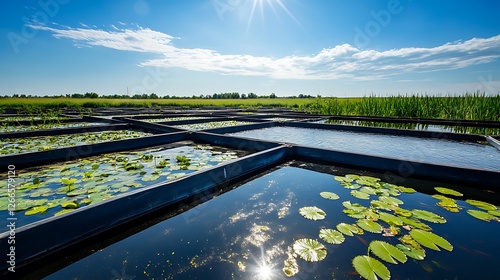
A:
[343,61]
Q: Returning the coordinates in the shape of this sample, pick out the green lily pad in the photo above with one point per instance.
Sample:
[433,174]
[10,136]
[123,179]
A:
[428,216]
[342,179]
[449,205]
[407,190]
[85,201]
[360,195]
[329,195]
[175,175]
[368,190]
[70,205]
[354,206]
[387,252]
[430,240]
[390,219]
[403,212]
[152,177]
[494,212]
[371,214]
[369,178]
[481,204]
[448,191]
[312,213]
[68,182]
[369,268]
[310,250]
[64,211]
[23,204]
[77,192]
[352,176]
[290,268]
[415,223]
[381,205]
[331,236]
[391,200]
[348,229]
[36,210]
[412,252]
[485,216]
[354,214]
[370,226]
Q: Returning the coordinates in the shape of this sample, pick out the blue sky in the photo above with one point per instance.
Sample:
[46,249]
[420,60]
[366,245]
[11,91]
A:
[287,47]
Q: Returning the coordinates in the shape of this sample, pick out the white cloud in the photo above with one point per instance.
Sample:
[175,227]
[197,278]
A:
[343,61]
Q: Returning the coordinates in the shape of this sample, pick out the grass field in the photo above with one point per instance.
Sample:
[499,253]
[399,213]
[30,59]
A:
[468,107]
[34,103]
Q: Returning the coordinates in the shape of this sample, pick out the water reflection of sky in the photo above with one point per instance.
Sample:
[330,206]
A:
[247,233]
[440,151]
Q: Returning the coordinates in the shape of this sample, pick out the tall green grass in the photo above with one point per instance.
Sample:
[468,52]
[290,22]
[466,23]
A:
[468,107]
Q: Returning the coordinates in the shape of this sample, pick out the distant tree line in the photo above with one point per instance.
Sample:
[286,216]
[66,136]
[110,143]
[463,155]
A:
[225,95]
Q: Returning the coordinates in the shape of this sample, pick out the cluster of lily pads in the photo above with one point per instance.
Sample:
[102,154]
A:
[60,188]
[19,128]
[173,119]
[42,143]
[33,118]
[385,216]
[210,125]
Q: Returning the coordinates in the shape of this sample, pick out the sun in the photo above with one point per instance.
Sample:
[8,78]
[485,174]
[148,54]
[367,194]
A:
[259,4]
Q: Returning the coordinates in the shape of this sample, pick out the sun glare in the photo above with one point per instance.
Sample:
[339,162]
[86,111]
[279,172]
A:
[270,4]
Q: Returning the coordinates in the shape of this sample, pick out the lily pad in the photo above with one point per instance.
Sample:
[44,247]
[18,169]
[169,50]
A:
[77,192]
[412,252]
[352,176]
[407,190]
[494,212]
[329,195]
[290,267]
[353,206]
[381,205]
[387,252]
[36,210]
[64,211]
[342,179]
[368,190]
[390,219]
[485,216]
[391,200]
[312,213]
[331,236]
[369,268]
[360,195]
[415,223]
[402,212]
[310,250]
[370,226]
[348,229]
[428,216]
[151,177]
[448,191]
[481,204]
[430,240]
[69,205]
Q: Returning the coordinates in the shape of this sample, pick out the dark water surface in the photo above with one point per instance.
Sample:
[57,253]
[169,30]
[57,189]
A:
[245,234]
[439,151]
